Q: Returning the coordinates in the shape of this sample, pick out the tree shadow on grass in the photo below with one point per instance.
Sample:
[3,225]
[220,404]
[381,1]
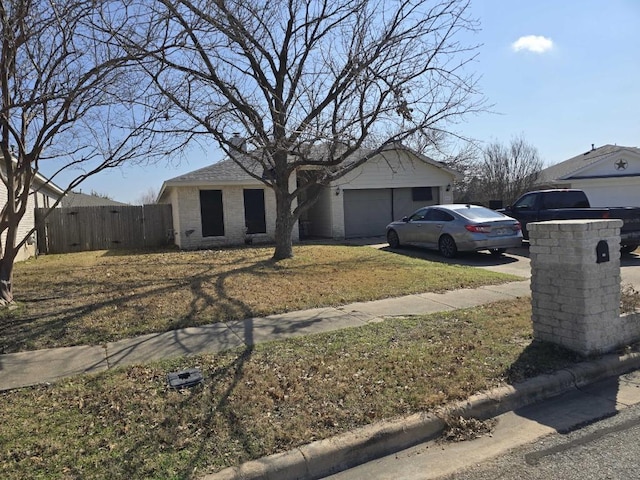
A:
[21,329]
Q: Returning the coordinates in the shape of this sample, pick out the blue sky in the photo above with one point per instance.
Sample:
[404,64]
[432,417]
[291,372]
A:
[564,74]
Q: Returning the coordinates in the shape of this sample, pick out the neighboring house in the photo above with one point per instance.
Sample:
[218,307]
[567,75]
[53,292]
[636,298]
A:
[222,205]
[44,194]
[79,199]
[610,175]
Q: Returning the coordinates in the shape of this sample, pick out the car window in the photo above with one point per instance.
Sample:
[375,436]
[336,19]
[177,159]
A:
[419,215]
[525,203]
[475,211]
[437,215]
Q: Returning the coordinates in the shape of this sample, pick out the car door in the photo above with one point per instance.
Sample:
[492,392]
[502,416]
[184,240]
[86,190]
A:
[525,210]
[412,228]
[433,224]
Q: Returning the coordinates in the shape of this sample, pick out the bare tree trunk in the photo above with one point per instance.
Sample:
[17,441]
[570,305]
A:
[284,226]
[6,281]
[6,266]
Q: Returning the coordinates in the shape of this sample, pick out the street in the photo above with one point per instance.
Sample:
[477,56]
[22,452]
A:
[608,449]
[563,437]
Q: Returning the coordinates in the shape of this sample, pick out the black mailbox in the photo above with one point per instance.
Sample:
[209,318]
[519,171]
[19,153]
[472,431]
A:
[602,252]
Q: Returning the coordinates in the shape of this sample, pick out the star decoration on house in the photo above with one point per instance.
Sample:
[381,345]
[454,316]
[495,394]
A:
[621,164]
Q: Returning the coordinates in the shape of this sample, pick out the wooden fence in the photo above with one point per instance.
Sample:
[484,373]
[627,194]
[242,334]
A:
[77,229]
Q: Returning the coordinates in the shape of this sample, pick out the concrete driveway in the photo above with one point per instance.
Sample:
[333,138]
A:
[515,261]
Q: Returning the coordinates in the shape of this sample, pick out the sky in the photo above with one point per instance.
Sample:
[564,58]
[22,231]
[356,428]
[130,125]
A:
[563,74]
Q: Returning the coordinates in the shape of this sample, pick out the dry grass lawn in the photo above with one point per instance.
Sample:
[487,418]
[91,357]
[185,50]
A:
[96,297]
[127,423]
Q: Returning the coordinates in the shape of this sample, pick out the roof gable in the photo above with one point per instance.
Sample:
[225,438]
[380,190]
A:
[603,162]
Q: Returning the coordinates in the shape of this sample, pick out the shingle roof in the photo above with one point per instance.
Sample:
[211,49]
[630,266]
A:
[225,171]
[73,199]
[228,172]
[564,170]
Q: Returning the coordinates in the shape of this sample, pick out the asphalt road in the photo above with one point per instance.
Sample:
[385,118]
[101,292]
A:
[608,449]
[591,432]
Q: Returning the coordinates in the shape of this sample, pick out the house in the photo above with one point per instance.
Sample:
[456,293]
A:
[79,199]
[44,194]
[610,175]
[223,205]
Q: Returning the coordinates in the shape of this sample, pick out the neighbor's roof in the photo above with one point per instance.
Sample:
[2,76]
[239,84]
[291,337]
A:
[73,199]
[565,170]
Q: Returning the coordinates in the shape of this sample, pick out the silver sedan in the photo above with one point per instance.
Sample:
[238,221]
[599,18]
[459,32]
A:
[456,228]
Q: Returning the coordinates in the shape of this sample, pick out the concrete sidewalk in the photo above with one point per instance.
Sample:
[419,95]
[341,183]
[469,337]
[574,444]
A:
[46,366]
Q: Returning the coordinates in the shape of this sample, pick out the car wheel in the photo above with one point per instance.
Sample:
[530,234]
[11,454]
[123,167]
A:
[496,252]
[392,239]
[447,246]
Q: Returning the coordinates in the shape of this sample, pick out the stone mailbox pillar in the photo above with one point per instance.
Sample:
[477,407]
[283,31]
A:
[575,283]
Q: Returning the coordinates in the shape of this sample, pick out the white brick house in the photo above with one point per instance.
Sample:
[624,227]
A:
[223,205]
[43,194]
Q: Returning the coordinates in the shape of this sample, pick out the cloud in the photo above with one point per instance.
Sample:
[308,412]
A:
[533,43]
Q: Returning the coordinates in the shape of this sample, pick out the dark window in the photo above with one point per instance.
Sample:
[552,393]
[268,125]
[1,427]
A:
[254,211]
[419,215]
[211,213]
[421,194]
[565,199]
[527,202]
[436,215]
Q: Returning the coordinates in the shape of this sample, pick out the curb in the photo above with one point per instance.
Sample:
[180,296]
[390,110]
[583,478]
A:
[326,457]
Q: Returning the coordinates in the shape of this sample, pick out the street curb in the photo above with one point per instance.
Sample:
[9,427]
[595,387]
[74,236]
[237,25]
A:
[326,457]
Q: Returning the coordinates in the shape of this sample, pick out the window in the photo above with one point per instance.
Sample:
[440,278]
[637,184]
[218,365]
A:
[211,213]
[436,215]
[419,215]
[254,211]
[527,202]
[421,194]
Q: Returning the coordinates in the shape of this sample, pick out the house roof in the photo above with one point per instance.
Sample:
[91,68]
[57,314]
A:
[75,199]
[570,168]
[225,171]
[228,172]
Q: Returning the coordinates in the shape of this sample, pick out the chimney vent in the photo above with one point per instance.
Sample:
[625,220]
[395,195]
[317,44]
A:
[238,142]
[593,147]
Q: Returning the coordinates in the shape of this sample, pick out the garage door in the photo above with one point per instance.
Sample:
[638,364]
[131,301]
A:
[367,212]
[610,196]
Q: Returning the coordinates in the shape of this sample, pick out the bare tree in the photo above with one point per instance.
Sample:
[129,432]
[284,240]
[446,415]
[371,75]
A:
[68,100]
[507,171]
[148,198]
[317,85]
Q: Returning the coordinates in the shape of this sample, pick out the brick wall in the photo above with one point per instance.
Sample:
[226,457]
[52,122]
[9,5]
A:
[575,299]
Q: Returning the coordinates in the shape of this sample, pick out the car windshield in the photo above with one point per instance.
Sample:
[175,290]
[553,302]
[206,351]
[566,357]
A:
[475,212]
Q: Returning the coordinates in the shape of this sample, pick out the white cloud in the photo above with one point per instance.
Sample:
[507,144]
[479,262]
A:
[533,43]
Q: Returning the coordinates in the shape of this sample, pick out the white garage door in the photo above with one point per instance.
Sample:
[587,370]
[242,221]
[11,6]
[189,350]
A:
[367,212]
[618,196]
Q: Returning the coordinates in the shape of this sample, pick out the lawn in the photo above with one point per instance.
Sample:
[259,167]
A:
[128,423]
[97,297]
[254,401]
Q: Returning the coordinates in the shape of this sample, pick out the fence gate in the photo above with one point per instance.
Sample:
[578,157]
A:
[78,229]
